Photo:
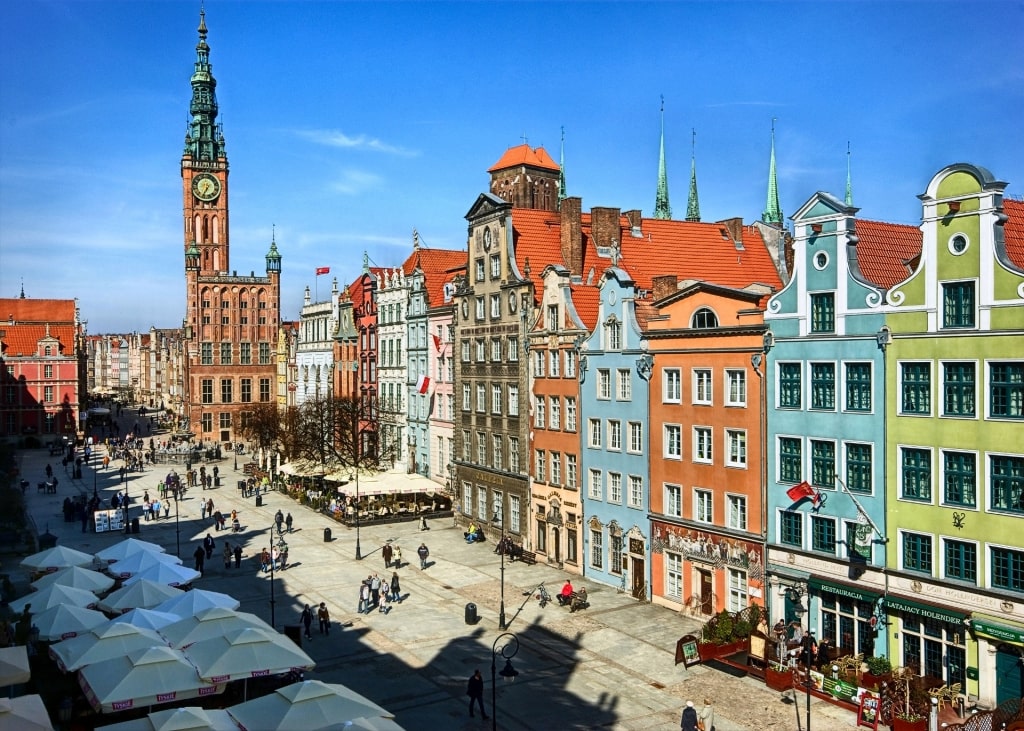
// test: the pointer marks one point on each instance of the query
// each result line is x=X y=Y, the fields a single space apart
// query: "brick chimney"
x=571 y=230
x=604 y=226
x=735 y=228
x=663 y=285
x=636 y=220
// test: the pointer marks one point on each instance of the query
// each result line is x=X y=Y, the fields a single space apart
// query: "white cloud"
x=337 y=138
x=353 y=182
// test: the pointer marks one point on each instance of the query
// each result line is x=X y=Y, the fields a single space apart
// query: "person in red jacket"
x=565 y=595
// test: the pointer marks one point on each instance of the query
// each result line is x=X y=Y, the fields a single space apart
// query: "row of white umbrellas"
x=129 y=560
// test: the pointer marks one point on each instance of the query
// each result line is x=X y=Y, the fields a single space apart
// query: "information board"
x=108 y=520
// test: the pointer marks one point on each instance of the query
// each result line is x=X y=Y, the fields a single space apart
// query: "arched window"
x=704 y=319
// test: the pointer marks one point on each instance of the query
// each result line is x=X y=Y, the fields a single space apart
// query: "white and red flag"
x=323 y=270
x=423 y=384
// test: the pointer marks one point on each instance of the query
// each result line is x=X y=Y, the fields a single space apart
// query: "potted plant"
x=778 y=676
x=909 y=721
x=879 y=670
x=718 y=637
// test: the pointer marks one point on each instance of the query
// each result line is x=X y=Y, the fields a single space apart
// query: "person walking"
x=209 y=507
x=209 y=544
x=288 y=522
x=387 y=552
x=217 y=519
x=238 y=555
x=375 y=590
x=689 y=720
x=396 y=588
x=275 y=556
x=284 y=555
x=364 y=597
x=385 y=597
x=202 y=510
x=423 y=552
x=706 y=716
x=398 y=557
x=325 y=619
x=227 y=555
x=200 y=556
x=475 y=691
x=307 y=620
x=265 y=560
x=279 y=519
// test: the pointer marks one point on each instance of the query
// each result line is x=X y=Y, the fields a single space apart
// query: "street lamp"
x=355 y=476
x=508 y=649
x=501 y=549
x=272 y=618
x=177 y=526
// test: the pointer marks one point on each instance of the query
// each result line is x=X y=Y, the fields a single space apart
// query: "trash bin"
x=471 y=617
x=294 y=633
x=259 y=501
x=327 y=535
x=135 y=525
x=241 y=484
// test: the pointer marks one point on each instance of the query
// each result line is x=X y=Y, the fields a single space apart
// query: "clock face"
x=205 y=187
x=487 y=239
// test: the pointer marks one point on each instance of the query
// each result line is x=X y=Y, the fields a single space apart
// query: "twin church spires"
x=662 y=209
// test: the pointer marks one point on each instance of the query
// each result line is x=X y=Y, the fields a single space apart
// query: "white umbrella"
x=189 y=718
x=247 y=653
x=146 y=594
x=309 y=705
x=65 y=621
x=14 y=668
x=190 y=603
x=166 y=573
x=77 y=577
x=140 y=561
x=209 y=623
x=56 y=558
x=53 y=596
x=148 y=618
x=374 y=723
x=25 y=713
x=144 y=678
x=125 y=548
x=115 y=639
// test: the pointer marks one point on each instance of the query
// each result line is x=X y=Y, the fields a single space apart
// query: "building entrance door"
x=556 y=537
x=707 y=600
x=639 y=585
x=1009 y=675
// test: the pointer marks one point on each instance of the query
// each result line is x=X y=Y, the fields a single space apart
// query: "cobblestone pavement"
x=608 y=667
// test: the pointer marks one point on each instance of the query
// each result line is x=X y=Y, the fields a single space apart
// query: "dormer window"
x=704 y=319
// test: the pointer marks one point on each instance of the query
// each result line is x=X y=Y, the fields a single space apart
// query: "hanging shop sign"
x=1001 y=632
x=844 y=590
x=928 y=611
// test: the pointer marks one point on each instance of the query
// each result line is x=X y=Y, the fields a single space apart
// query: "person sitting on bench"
x=565 y=595
x=473 y=534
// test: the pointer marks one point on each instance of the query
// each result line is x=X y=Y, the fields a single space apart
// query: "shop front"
x=847 y=615
x=1000 y=656
x=930 y=639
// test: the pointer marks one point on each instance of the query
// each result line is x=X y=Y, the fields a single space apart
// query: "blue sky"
x=350 y=124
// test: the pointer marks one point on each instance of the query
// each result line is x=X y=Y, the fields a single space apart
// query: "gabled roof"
x=586 y=300
x=885 y=251
x=438 y=267
x=25 y=322
x=24 y=310
x=23 y=340
x=525 y=155
x=1013 y=231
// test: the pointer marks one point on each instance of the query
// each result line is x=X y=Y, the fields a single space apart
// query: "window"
x=481 y=398
x=702 y=386
x=958 y=389
x=916 y=386
x=48 y=371
x=481 y=448
x=847 y=624
x=207 y=420
x=858 y=468
x=917 y=474
x=595 y=485
x=736 y=388
x=823 y=386
x=604 y=384
x=1007 y=479
x=556 y=468
x=467 y=351
x=636 y=437
x=264 y=353
x=538 y=363
x=737 y=589
x=636 y=491
x=513 y=454
x=225 y=353
x=823 y=312
x=513 y=399
x=917 y=552
x=790 y=460
x=614 y=488
x=615 y=435
x=736 y=442
x=736 y=511
x=671 y=386
x=495 y=266
x=554 y=413
x=551 y=319
x=702 y=506
x=1007 y=569
x=570 y=363
x=613 y=335
x=481 y=350
x=513 y=349
x=467 y=404
x=481 y=504
x=790 y=396
x=624 y=384
x=264 y=390
x=48 y=394
x=791 y=528
x=703 y=319
x=540 y=465
x=595 y=433
x=596 y=549
x=246 y=390
x=207 y=390
x=674 y=501
x=673 y=441
x=702 y=444
x=245 y=353
x=496 y=451
x=960 y=560
x=858 y=387
x=823 y=534
x=496 y=350
x=570 y=413
x=960 y=476
x=226 y=390
x=539 y=412
x=225 y=420
x=823 y=464
x=206 y=354
x=554 y=363
x=958 y=304
x=674 y=576
x=570 y=471
x=495 y=306
x=479 y=309
x=496 y=396
x=1006 y=385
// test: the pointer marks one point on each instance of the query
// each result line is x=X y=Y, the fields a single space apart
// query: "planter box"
x=874 y=682
x=710 y=651
x=779 y=680
x=901 y=725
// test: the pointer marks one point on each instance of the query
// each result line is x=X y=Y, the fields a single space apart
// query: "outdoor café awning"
x=391 y=483
x=997 y=631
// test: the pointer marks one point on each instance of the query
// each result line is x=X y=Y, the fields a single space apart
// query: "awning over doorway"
x=845 y=590
x=928 y=611
x=997 y=631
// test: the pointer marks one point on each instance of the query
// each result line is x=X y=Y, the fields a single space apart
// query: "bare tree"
x=262 y=426
x=346 y=432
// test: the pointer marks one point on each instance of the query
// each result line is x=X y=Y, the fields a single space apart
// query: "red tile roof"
x=1014 y=231
x=885 y=250
x=586 y=300
x=525 y=155
x=25 y=323
x=35 y=310
x=439 y=267
x=22 y=341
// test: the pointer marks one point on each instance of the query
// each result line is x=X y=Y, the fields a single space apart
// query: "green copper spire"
x=561 y=172
x=693 y=202
x=662 y=209
x=849 y=181
x=204 y=140
x=273 y=256
x=773 y=211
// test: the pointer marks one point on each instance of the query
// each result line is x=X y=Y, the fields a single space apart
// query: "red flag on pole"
x=801 y=491
x=437 y=342
x=423 y=384
x=323 y=270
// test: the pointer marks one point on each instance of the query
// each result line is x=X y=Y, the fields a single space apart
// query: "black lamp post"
x=177 y=527
x=359 y=553
x=508 y=649
x=273 y=623
x=502 y=625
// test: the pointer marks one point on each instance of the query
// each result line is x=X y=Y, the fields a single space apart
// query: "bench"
x=525 y=556
x=579 y=601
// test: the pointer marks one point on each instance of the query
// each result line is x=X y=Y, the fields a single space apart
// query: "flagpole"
x=861 y=510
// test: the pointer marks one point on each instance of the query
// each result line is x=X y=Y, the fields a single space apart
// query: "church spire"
x=773 y=211
x=692 y=201
x=662 y=209
x=204 y=140
x=849 y=181
x=562 y=195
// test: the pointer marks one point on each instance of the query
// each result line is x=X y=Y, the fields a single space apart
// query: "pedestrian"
x=423 y=553
x=284 y=555
x=325 y=619
x=423 y=523
x=222 y=524
x=227 y=555
x=209 y=506
x=375 y=590
x=238 y=555
x=147 y=509
x=288 y=522
x=396 y=589
x=279 y=519
x=167 y=509
x=364 y=597
x=385 y=597
x=475 y=691
x=398 y=557
x=200 y=557
x=209 y=544
x=706 y=716
x=275 y=556
x=202 y=510
x=217 y=519
x=386 y=551
x=307 y=620
x=689 y=720
x=265 y=560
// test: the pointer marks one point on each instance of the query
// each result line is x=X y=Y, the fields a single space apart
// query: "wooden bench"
x=525 y=556
x=579 y=601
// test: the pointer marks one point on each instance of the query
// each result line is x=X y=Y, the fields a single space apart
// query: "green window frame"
x=790 y=459
x=791 y=528
x=790 y=395
x=206 y=386
x=958 y=304
x=246 y=390
x=1007 y=569
x=1006 y=475
x=823 y=534
x=225 y=353
x=960 y=472
x=958 y=389
x=823 y=464
x=917 y=474
x=823 y=312
x=916 y=380
x=858 y=387
x=226 y=390
x=206 y=353
x=823 y=386
x=245 y=353
x=1006 y=390
x=961 y=561
x=207 y=422
x=917 y=552
x=264 y=353
x=858 y=468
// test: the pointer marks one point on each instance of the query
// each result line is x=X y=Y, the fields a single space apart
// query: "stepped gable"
x=886 y=252
x=1013 y=231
